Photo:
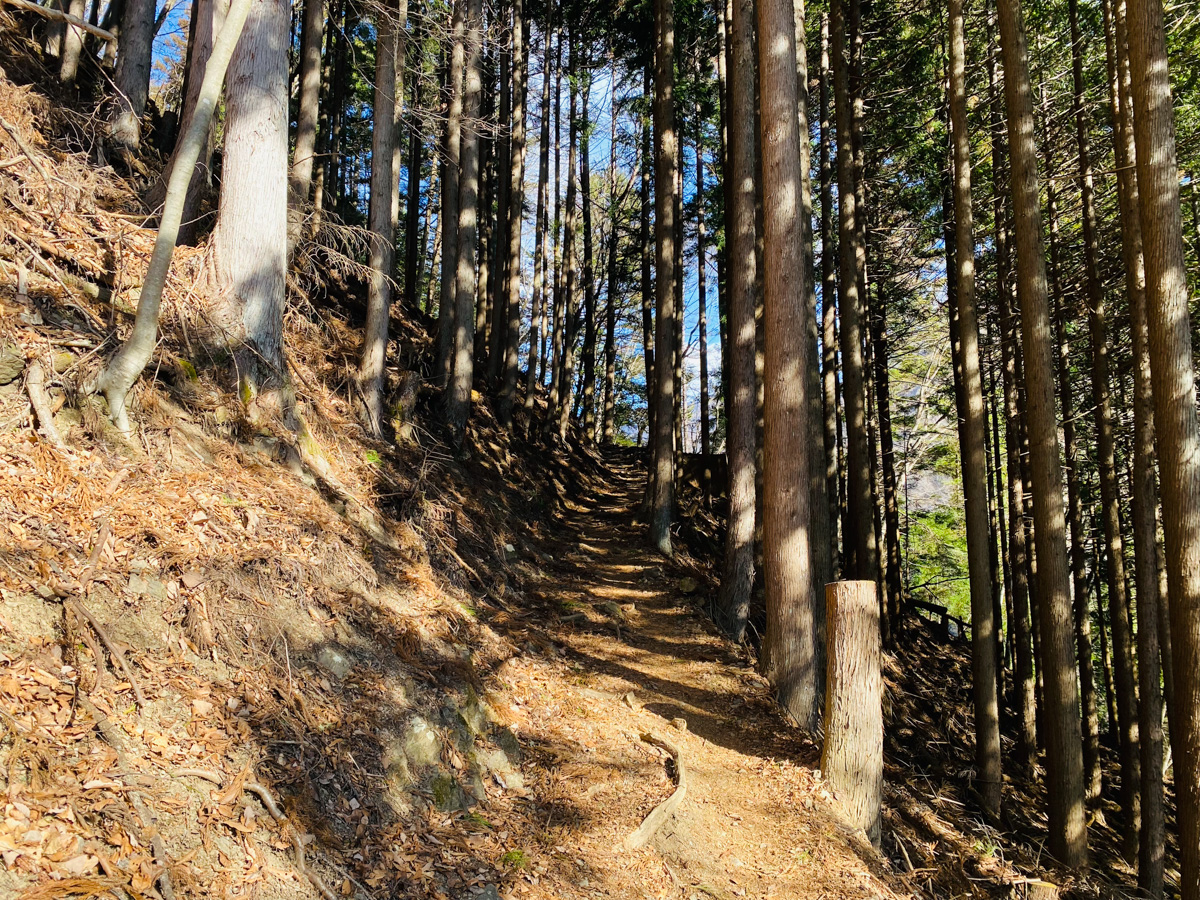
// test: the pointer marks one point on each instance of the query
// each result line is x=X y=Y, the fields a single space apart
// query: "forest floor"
x=638 y=657
x=415 y=673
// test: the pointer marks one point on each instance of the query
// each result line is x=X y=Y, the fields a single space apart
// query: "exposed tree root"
x=113 y=649
x=35 y=386
x=277 y=813
x=113 y=738
x=666 y=809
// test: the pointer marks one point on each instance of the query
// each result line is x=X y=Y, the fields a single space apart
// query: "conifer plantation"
x=563 y=449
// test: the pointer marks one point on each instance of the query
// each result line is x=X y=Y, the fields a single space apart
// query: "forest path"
x=632 y=653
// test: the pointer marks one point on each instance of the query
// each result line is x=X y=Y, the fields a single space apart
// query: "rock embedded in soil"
x=12 y=363
x=334 y=662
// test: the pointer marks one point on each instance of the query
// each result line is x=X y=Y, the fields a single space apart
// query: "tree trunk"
x=131 y=80
x=72 y=45
x=1003 y=568
x=118 y=376
x=414 y=247
x=1144 y=486
x=447 y=304
x=250 y=240
x=829 y=344
x=662 y=501
x=887 y=463
x=1175 y=419
x=724 y=13
x=333 y=39
x=458 y=397
x=516 y=218
x=860 y=552
x=565 y=332
x=737 y=577
x=497 y=336
x=647 y=260
x=1083 y=619
x=1064 y=757
x=821 y=543
x=484 y=220
x=558 y=317
x=589 y=280
x=385 y=206
x=852 y=755
x=974 y=451
x=307 y=111
x=610 y=322
x=541 y=258
x=677 y=286
x=1091 y=722
x=1106 y=460
x=791 y=646
x=702 y=304
x=1024 y=679
x=1110 y=701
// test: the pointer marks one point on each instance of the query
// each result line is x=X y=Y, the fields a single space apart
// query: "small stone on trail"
x=613 y=610
x=679 y=723
x=12 y=363
x=334 y=662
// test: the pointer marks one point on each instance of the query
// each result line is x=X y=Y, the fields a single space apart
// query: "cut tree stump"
x=852 y=758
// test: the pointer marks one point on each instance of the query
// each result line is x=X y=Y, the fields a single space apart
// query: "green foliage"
x=937 y=559
x=515 y=859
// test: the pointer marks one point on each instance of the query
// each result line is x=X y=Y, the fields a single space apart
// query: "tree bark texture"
x=447 y=326
x=662 y=501
x=737 y=577
x=791 y=647
x=307 y=112
x=250 y=240
x=984 y=661
x=1144 y=486
x=458 y=396
x=385 y=206
x=1064 y=757
x=131 y=80
x=516 y=217
x=852 y=755
x=860 y=552
x=1175 y=420
x=541 y=250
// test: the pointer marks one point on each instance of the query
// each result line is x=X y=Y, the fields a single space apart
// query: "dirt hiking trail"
x=633 y=654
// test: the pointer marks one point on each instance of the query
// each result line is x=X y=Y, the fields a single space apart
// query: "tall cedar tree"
x=791 y=644
x=1175 y=420
x=1144 y=487
x=385 y=205
x=737 y=580
x=1064 y=742
x=458 y=394
x=662 y=475
x=974 y=429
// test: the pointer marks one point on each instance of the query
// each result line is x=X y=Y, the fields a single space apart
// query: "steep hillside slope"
x=224 y=674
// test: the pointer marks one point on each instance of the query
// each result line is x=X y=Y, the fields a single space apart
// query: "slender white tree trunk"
x=119 y=375
x=250 y=240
